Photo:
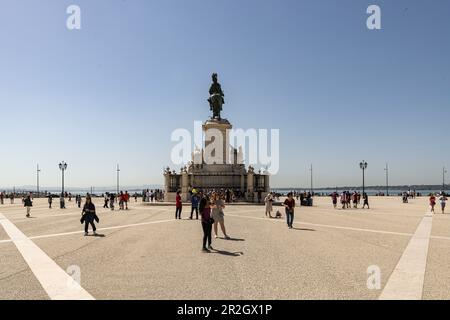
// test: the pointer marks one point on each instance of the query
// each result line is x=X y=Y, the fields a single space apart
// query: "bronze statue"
x=216 y=99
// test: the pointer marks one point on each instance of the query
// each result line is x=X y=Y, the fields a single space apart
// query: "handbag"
x=210 y=220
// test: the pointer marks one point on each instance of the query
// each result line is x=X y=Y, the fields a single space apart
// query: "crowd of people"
x=155 y=195
x=4 y=196
x=209 y=205
x=350 y=199
x=442 y=199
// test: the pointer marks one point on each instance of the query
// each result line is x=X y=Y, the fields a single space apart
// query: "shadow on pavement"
x=99 y=235
x=232 y=239
x=227 y=253
x=303 y=229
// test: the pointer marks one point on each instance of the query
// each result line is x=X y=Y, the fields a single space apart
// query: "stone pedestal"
x=220 y=168
x=217 y=145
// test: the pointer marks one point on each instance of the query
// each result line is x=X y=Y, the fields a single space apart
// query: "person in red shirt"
x=178 y=206
x=289 y=205
x=126 y=198
x=432 y=202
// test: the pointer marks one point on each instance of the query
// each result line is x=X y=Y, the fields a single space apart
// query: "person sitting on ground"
x=278 y=214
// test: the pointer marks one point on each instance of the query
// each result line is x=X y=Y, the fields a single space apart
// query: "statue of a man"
x=216 y=99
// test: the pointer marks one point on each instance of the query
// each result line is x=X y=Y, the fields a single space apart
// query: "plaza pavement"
x=145 y=253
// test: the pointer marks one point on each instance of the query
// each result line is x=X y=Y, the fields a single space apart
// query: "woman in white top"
x=268 y=201
x=443 y=200
x=218 y=215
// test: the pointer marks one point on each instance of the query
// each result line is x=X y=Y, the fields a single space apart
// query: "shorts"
x=218 y=216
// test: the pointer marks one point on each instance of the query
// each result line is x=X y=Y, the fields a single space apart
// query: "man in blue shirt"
x=195 y=199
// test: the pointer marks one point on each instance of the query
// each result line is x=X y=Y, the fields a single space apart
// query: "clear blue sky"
x=114 y=91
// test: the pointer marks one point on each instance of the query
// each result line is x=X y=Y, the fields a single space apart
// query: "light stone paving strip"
x=327 y=226
x=52 y=235
x=54 y=280
x=406 y=281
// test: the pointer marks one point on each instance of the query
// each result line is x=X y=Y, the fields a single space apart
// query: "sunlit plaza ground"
x=145 y=253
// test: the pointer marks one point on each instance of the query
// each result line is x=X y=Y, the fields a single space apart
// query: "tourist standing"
x=289 y=205
x=194 y=205
x=105 y=204
x=121 y=200
x=178 y=205
x=443 y=200
x=334 y=197
x=355 y=200
x=268 y=200
x=50 y=201
x=111 y=201
x=28 y=204
x=79 y=201
x=365 y=200
x=343 y=199
x=11 y=197
x=2 y=196
x=126 y=198
x=218 y=215
x=88 y=216
x=432 y=202
x=207 y=222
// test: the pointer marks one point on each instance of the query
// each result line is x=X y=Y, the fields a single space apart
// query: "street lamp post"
x=311 y=169
x=387 y=180
x=118 y=171
x=363 y=166
x=37 y=179
x=444 y=171
x=62 y=167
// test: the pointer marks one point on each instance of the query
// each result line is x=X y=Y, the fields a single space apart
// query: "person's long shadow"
x=303 y=229
x=100 y=235
x=232 y=239
x=227 y=253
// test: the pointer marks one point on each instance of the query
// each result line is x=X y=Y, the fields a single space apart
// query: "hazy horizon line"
x=159 y=186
